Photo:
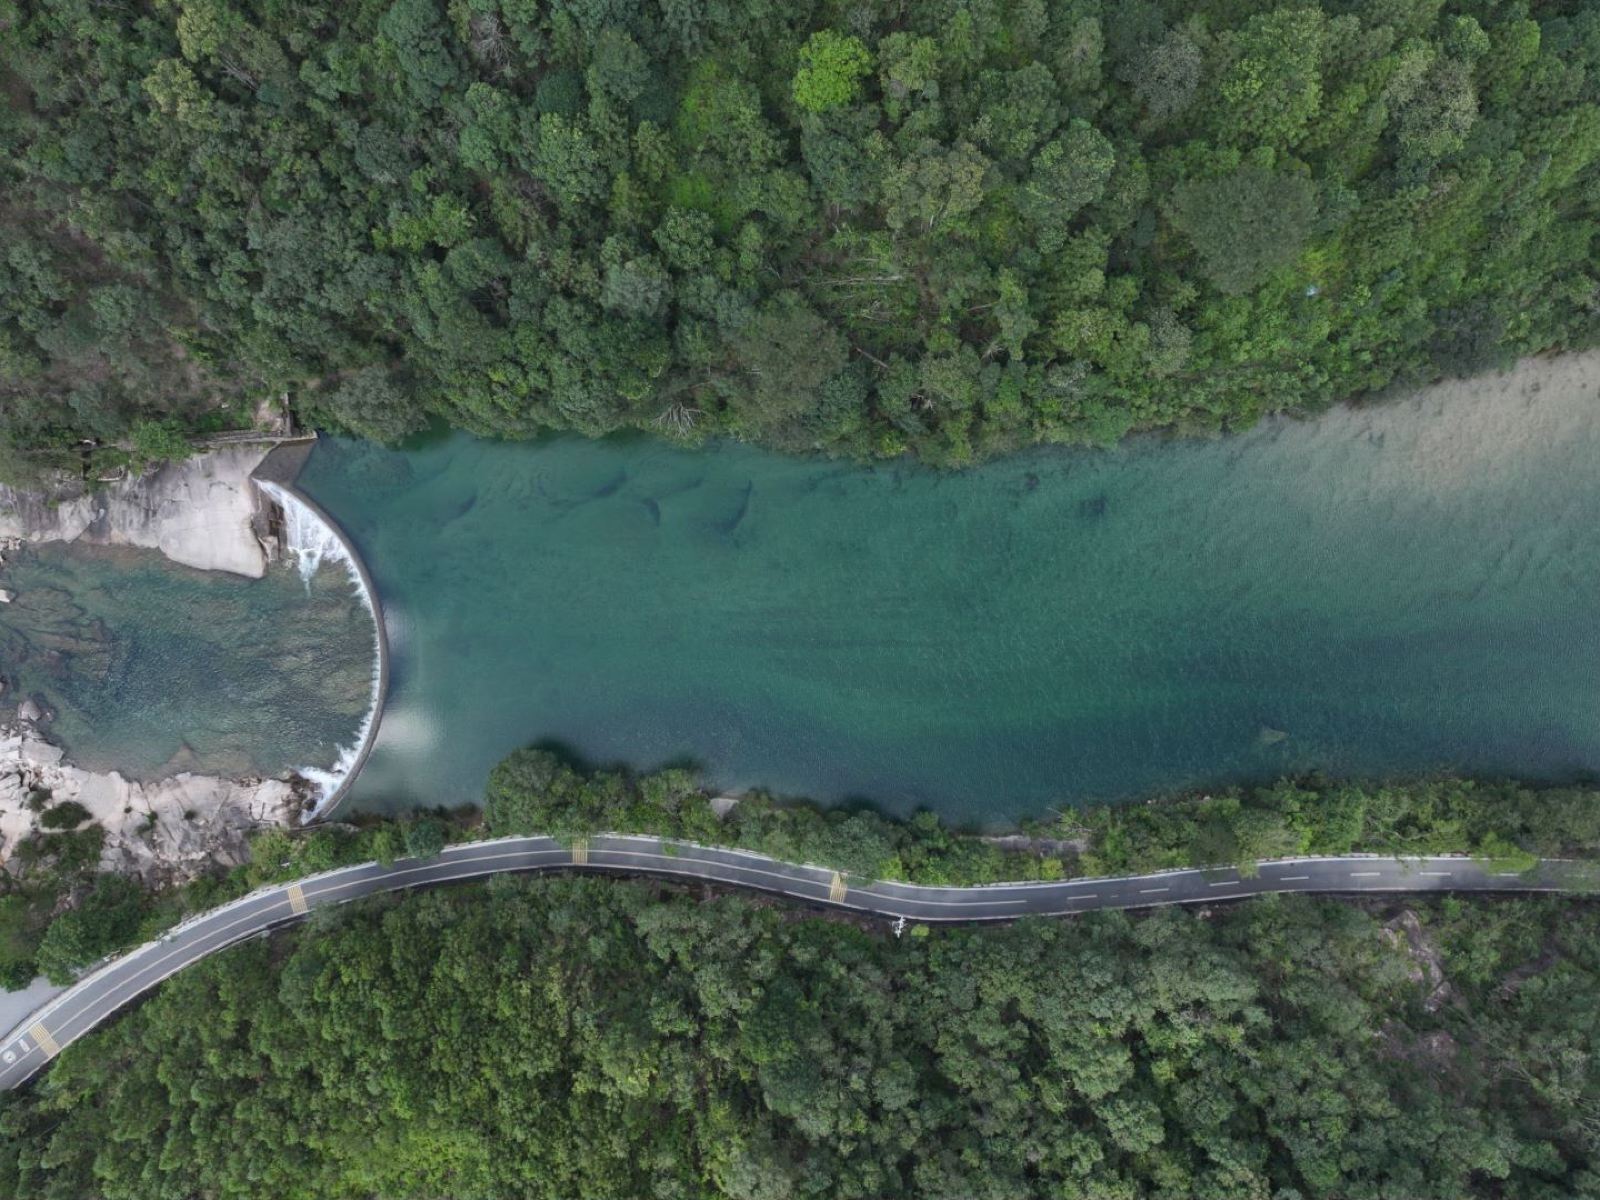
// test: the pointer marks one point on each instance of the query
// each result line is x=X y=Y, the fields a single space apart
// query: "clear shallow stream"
x=1399 y=589
x=152 y=668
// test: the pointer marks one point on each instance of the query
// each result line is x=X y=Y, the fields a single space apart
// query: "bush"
x=106 y=920
x=424 y=838
x=161 y=441
x=69 y=814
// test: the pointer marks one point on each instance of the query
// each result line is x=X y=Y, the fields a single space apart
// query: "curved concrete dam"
x=1406 y=587
x=313 y=538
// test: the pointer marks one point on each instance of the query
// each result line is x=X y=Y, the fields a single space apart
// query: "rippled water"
x=1390 y=590
x=154 y=668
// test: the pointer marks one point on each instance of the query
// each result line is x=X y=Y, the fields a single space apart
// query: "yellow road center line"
x=580 y=852
x=41 y=1035
x=297 y=899
x=837 y=888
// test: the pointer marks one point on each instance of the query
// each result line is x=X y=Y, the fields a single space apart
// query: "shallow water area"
x=1402 y=588
x=152 y=668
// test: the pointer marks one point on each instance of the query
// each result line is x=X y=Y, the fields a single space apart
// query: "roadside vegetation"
x=568 y=1038
x=1509 y=824
x=59 y=913
x=954 y=227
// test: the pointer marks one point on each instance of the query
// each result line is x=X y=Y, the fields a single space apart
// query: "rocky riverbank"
x=204 y=512
x=165 y=832
x=201 y=512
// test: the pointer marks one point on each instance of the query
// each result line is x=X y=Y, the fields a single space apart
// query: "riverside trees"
x=569 y=1038
x=534 y=792
x=954 y=227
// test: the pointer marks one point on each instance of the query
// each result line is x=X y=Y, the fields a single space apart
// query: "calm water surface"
x=1388 y=590
x=152 y=668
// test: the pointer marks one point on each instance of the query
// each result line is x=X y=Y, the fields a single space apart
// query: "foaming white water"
x=309 y=539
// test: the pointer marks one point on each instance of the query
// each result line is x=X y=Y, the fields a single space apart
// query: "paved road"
x=40 y=1036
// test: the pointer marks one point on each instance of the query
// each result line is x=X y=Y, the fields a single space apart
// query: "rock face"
x=199 y=512
x=165 y=832
x=1426 y=964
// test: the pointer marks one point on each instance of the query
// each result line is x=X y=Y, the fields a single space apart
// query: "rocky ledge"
x=200 y=512
x=165 y=832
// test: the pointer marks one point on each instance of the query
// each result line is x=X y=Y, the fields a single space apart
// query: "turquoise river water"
x=150 y=668
x=1397 y=589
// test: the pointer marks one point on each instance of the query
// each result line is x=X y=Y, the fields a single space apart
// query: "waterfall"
x=312 y=542
x=308 y=538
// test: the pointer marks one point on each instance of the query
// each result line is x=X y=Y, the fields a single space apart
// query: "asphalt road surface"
x=41 y=1035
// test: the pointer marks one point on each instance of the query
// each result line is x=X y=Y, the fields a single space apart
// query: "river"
x=1402 y=588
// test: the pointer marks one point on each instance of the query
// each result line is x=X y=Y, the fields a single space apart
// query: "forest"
x=570 y=1038
x=949 y=227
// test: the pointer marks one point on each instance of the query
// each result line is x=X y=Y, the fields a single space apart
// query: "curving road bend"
x=41 y=1035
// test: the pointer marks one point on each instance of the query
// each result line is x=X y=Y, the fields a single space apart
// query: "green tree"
x=425 y=837
x=935 y=189
x=1245 y=225
x=1068 y=173
x=1435 y=118
x=832 y=66
x=1272 y=88
x=412 y=32
x=107 y=919
x=160 y=440
x=1167 y=75
x=372 y=403
x=789 y=352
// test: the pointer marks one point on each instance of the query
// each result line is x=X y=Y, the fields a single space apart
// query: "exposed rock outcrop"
x=200 y=512
x=1425 y=964
x=165 y=832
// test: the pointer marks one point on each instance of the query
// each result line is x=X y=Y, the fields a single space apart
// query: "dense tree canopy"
x=571 y=1039
x=953 y=226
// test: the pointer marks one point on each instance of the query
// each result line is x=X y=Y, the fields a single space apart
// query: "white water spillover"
x=312 y=542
